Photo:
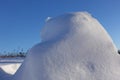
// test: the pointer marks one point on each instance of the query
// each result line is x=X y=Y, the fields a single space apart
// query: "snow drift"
x=74 y=46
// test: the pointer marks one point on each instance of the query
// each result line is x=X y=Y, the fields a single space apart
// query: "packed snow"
x=74 y=46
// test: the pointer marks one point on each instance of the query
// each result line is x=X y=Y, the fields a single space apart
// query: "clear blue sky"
x=22 y=20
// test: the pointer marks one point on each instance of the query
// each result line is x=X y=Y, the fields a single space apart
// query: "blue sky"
x=22 y=20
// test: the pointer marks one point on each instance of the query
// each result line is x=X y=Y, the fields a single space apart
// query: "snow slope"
x=74 y=46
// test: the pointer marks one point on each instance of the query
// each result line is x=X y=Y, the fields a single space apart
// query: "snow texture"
x=74 y=46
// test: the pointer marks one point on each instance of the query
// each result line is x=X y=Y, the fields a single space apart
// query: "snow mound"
x=74 y=46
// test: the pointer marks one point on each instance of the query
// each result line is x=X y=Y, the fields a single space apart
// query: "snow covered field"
x=8 y=67
x=11 y=60
x=74 y=46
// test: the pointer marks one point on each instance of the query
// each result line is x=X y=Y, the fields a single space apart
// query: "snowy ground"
x=11 y=60
x=8 y=67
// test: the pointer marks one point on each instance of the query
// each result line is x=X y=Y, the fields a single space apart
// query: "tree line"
x=14 y=53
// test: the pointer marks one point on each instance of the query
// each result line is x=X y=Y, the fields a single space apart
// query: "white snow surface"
x=10 y=68
x=74 y=46
x=7 y=70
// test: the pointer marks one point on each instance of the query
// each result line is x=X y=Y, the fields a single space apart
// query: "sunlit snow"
x=74 y=46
